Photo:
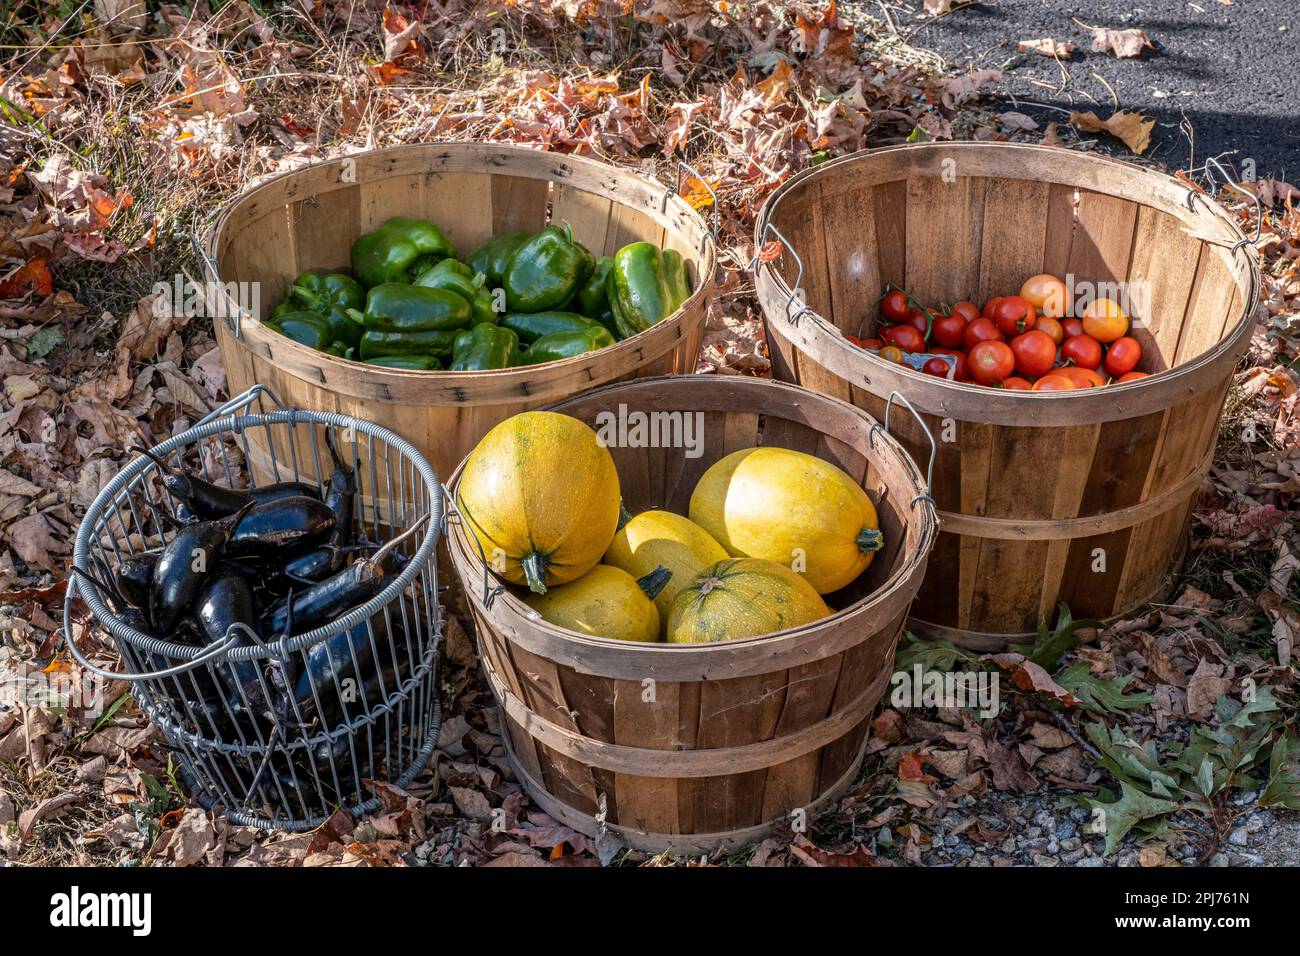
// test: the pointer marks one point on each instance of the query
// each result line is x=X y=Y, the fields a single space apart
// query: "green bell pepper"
x=414 y=363
x=433 y=342
x=394 y=307
x=592 y=299
x=491 y=258
x=531 y=326
x=306 y=328
x=330 y=296
x=546 y=271
x=398 y=250
x=455 y=277
x=645 y=285
x=560 y=345
x=486 y=346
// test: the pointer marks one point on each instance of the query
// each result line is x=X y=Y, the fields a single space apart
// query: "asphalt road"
x=1224 y=77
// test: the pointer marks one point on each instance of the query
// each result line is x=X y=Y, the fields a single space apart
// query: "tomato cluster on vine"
x=1025 y=341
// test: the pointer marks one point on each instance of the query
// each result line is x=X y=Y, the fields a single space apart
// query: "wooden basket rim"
x=614 y=658
x=821 y=339
x=525 y=381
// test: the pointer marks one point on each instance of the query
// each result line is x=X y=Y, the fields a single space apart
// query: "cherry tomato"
x=918 y=320
x=872 y=343
x=963 y=367
x=1035 y=353
x=1072 y=327
x=1017 y=384
x=989 y=306
x=1083 y=350
x=949 y=329
x=1052 y=327
x=1014 y=315
x=935 y=366
x=1122 y=356
x=968 y=310
x=1104 y=320
x=892 y=353
x=981 y=330
x=1132 y=376
x=905 y=337
x=1045 y=293
x=893 y=306
x=992 y=362
x=1081 y=377
x=1053 y=383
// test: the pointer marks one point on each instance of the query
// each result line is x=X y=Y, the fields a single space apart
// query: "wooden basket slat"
x=324 y=228
x=1029 y=485
x=519 y=203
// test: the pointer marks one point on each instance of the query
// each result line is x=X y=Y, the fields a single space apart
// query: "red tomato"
x=1046 y=293
x=1083 y=350
x=950 y=329
x=1035 y=353
x=963 y=367
x=992 y=362
x=918 y=320
x=893 y=306
x=906 y=338
x=1071 y=327
x=968 y=310
x=1122 y=356
x=1054 y=383
x=872 y=343
x=989 y=306
x=1052 y=327
x=1132 y=376
x=1081 y=377
x=981 y=330
x=1014 y=315
x=935 y=366
x=1017 y=384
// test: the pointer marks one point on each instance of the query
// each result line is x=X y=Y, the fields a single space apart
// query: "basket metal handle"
x=450 y=510
x=242 y=401
x=796 y=290
x=213 y=652
x=1213 y=163
x=212 y=274
x=934 y=447
x=684 y=167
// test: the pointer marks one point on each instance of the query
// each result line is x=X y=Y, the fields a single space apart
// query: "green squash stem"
x=655 y=581
x=535 y=571
x=624 y=516
x=869 y=540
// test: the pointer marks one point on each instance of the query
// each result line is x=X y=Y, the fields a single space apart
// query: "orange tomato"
x=1047 y=294
x=1104 y=320
x=892 y=353
x=1132 y=376
x=1017 y=384
x=1052 y=327
x=1054 y=383
x=1082 y=377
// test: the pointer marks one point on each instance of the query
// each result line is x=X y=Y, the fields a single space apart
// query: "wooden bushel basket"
x=309 y=218
x=1044 y=497
x=690 y=747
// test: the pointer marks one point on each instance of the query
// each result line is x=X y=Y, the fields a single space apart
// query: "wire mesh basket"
x=281 y=729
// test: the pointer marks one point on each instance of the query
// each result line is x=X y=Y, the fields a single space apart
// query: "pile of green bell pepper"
x=519 y=298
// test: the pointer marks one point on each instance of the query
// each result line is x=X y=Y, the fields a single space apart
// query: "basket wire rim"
x=111 y=495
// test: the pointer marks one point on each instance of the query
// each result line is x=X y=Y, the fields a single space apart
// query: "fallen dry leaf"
x=1125 y=44
x=1134 y=129
x=1057 y=49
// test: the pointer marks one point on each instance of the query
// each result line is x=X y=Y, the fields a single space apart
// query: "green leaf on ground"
x=1283 y=788
x=936 y=655
x=43 y=341
x=1130 y=809
x=1101 y=696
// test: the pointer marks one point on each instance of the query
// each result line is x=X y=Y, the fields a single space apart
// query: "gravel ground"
x=1222 y=78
